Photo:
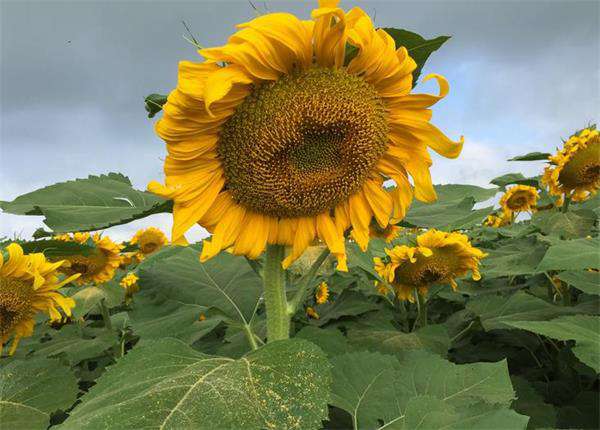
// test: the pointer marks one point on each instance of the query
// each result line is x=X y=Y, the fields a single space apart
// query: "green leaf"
x=515 y=257
x=31 y=390
x=154 y=104
x=514 y=178
x=169 y=385
x=588 y=282
x=432 y=337
x=457 y=192
x=532 y=156
x=88 y=298
x=446 y=215
x=418 y=47
x=571 y=255
x=498 y=312
x=349 y=303
x=583 y=329
x=331 y=341
x=56 y=248
x=94 y=203
x=376 y=388
x=225 y=282
x=529 y=402
x=568 y=225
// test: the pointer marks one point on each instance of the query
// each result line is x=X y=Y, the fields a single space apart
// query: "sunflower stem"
x=278 y=319
x=250 y=336
x=304 y=283
x=565 y=206
x=105 y=315
x=421 y=320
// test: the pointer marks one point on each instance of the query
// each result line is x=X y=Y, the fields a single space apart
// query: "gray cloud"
x=74 y=74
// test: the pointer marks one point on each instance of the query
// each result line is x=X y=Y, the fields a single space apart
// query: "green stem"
x=462 y=332
x=250 y=336
x=565 y=206
x=304 y=283
x=105 y=315
x=421 y=320
x=278 y=320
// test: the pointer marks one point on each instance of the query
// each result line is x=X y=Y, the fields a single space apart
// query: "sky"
x=73 y=76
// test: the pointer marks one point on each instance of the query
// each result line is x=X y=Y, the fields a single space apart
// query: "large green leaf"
x=94 y=203
x=515 y=257
x=498 y=312
x=448 y=215
x=571 y=255
x=418 y=47
x=529 y=402
x=169 y=385
x=88 y=298
x=514 y=178
x=225 y=282
x=349 y=303
x=56 y=248
x=457 y=192
x=588 y=282
x=532 y=156
x=31 y=390
x=584 y=329
x=568 y=225
x=422 y=388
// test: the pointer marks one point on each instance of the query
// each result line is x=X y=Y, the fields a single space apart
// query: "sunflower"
x=97 y=267
x=28 y=284
x=574 y=171
x=129 y=283
x=322 y=293
x=497 y=220
x=311 y=313
x=286 y=134
x=149 y=241
x=520 y=198
x=438 y=258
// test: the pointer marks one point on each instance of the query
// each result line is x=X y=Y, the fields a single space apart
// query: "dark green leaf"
x=572 y=255
x=532 y=156
x=568 y=225
x=514 y=178
x=154 y=104
x=588 y=282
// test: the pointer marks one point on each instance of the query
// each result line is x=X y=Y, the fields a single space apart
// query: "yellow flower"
x=389 y=233
x=574 y=171
x=275 y=140
x=382 y=288
x=128 y=258
x=129 y=282
x=322 y=293
x=497 y=221
x=438 y=258
x=311 y=313
x=520 y=198
x=202 y=317
x=149 y=241
x=28 y=284
x=97 y=267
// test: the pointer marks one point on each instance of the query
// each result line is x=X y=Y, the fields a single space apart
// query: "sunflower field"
x=338 y=287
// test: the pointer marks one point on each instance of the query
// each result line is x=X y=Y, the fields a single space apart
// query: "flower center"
x=518 y=201
x=15 y=303
x=583 y=169
x=301 y=145
x=427 y=270
x=149 y=248
x=87 y=265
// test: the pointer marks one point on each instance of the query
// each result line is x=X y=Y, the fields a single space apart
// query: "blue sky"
x=73 y=77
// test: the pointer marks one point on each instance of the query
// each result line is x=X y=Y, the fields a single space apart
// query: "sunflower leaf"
x=93 y=203
x=169 y=385
x=32 y=390
x=572 y=255
x=417 y=46
x=532 y=156
x=154 y=104
x=515 y=178
x=588 y=282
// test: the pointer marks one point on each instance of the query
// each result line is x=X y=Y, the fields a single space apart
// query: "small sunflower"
x=277 y=139
x=311 y=313
x=29 y=284
x=129 y=283
x=438 y=258
x=149 y=240
x=574 y=171
x=496 y=220
x=520 y=198
x=322 y=293
x=388 y=233
x=97 y=267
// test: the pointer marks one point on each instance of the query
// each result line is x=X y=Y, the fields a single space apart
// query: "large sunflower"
x=438 y=258
x=520 y=198
x=28 y=284
x=99 y=266
x=149 y=241
x=287 y=133
x=574 y=171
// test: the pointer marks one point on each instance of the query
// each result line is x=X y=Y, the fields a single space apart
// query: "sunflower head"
x=497 y=220
x=129 y=283
x=277 y=138
x=149 y=240
x=438 y=258
x=520 y=198
x=28 y=284
x=574 y=171
x=322 y=293
x=99 y=266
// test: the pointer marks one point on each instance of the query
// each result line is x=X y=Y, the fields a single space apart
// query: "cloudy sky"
x=73 y=77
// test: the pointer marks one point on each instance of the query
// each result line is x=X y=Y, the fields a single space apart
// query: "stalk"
x=565 y=206
x=105 y=315
x=421 y=320
x=304 y=283
x=278 y=320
